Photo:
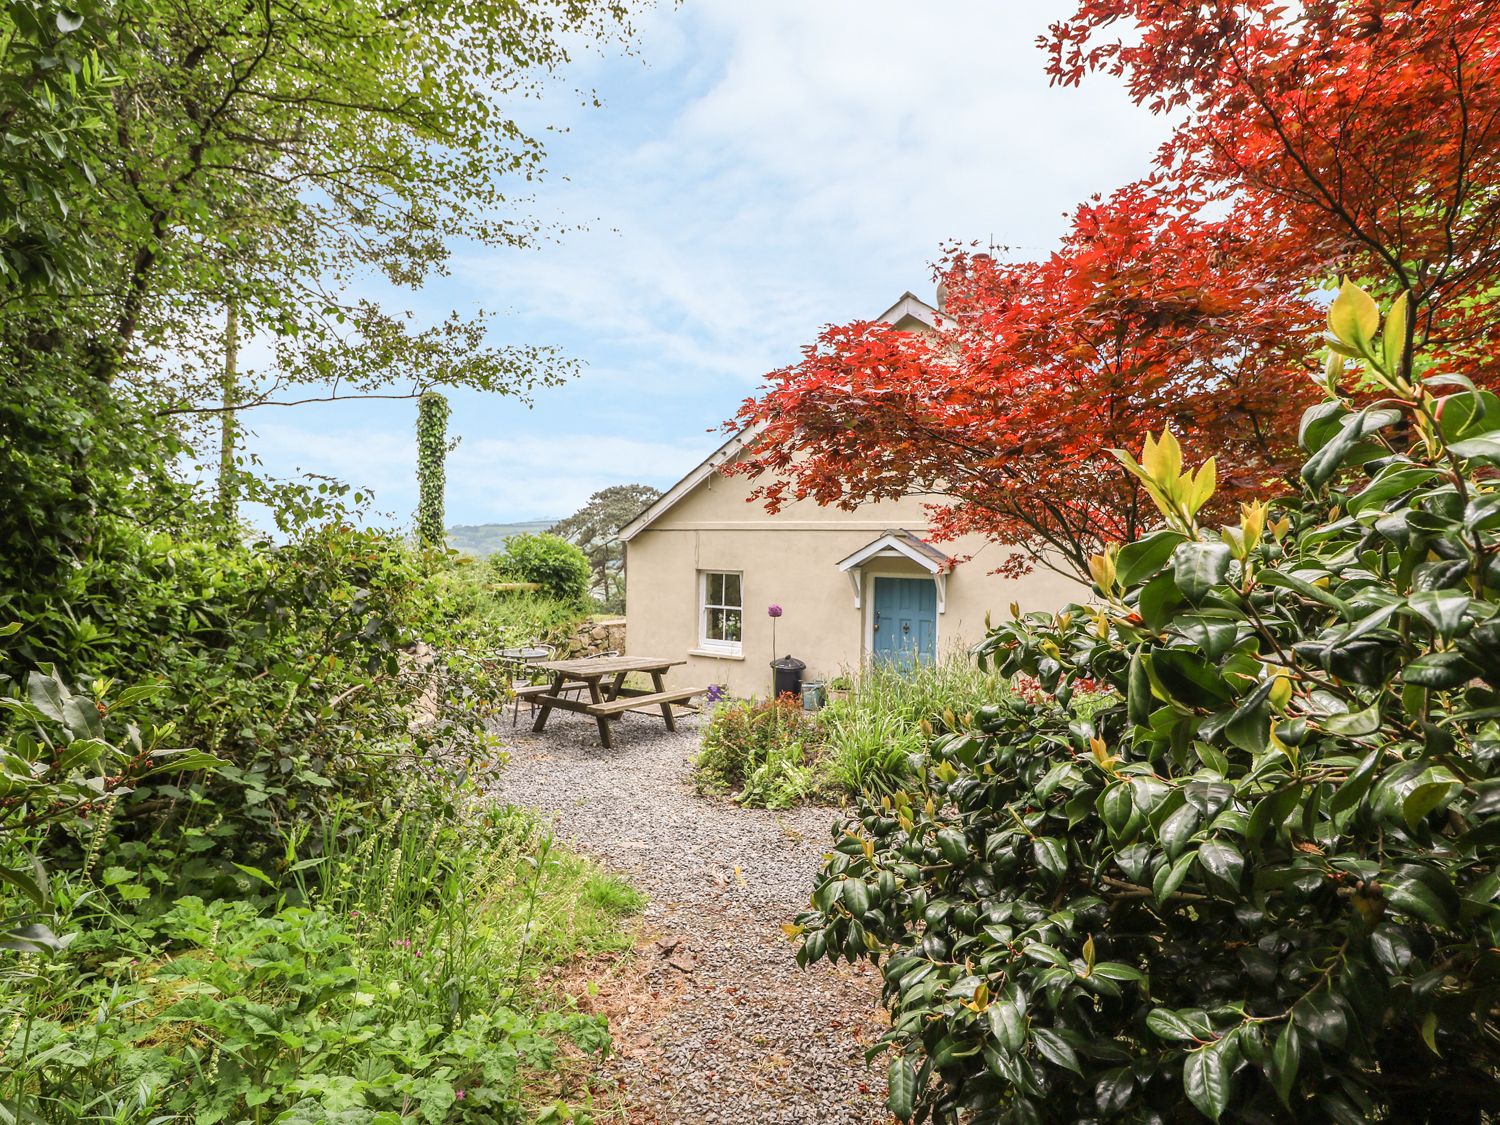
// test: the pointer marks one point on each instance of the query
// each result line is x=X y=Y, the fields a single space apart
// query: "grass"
x=869 y=735
x=612 y=897
x=774 y=755
x=490 y=884
x=395 y=971
x=493 y=618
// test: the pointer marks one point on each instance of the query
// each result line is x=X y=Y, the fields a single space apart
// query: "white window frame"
x=706 y=642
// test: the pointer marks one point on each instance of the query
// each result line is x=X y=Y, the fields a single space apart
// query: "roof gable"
x=668 y=499
x=899 y=541
x=908 y=308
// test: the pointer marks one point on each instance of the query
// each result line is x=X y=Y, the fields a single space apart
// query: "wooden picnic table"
x=608 y=701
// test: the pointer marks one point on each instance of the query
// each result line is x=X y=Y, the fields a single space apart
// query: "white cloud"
x=814 y=172
x=759 y=170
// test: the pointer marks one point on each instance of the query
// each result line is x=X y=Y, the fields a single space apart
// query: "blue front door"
x=905 y=620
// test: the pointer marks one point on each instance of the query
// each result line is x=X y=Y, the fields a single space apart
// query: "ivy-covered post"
x=432 y=447
x=228 y=426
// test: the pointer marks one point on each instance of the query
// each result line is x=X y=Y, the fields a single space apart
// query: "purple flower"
x=773 y=610
x=715 y=692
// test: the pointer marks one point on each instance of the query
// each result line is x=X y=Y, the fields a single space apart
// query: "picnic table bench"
x=607 y=701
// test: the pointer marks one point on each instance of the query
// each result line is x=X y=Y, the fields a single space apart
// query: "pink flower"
x=459 y=1094
x=773 y=610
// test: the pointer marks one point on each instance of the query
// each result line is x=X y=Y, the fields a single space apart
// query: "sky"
x=756 y=171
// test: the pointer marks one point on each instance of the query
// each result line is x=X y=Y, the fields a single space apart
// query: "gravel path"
x=729 y=1030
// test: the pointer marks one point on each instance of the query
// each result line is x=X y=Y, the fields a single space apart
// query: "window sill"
x=716 y=653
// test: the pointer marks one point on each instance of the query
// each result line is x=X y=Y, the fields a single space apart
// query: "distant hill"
x=487 y=538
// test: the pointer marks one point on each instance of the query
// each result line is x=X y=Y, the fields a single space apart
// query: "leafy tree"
x=56 y=77
x=175 y=177
x=595 y=530
x=1145 y=316
x=161 y=162
x=555 y=564
x=1261 y=885
x=1340 y=138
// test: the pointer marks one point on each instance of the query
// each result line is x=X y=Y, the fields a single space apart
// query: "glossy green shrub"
x=1261 y=885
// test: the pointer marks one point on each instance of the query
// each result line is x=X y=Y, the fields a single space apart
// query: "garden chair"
x=530 y=691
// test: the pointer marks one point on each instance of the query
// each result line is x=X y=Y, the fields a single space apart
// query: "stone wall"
x=604 y=634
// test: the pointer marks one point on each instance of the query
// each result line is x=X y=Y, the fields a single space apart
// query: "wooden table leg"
x=541 y=719
x=598 y=697
x=666 y=708
x=614 y=688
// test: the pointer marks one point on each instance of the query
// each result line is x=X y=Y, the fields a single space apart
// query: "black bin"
x=786 y=676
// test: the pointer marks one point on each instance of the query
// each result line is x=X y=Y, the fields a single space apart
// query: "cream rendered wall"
x=791 y=559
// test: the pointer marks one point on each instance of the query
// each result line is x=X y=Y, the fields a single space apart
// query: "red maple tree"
x=1144 y=317
x=1355 y=137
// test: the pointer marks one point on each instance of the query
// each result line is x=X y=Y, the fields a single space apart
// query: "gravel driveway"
x=734 y=1032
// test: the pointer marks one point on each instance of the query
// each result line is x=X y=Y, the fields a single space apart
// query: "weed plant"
x=392 y=977
x=759 y=751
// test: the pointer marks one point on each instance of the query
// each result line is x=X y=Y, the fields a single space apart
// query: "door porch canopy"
x=899 y=544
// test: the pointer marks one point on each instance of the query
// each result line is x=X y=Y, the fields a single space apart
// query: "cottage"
x=704 y=564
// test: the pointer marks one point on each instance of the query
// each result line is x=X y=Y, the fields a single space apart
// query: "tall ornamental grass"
x=774 y=754
x=869 y=735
